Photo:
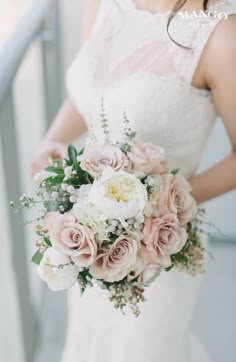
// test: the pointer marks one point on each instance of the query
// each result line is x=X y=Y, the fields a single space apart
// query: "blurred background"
x=38 y=40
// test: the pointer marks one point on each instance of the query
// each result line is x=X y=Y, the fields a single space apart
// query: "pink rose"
x=175 y=197
x=72 y=238
x=163 y=237
x=149 y=274
x=147 y=158
x=144 y=272
x=98 y=156
x=115 y=264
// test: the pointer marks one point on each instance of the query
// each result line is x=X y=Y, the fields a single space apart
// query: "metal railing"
x=40 y=22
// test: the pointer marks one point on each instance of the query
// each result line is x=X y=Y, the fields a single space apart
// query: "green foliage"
x=72 y=153
x=125 y=148
x=52 y=181
x=57 y=170
x=169 y=268
x=84 y=280
x=47 y=241
x=82 y=177
x=175 y=171
x=81 y=152
x=37 y=257
x=189 y=227
x=111 y=239
x=132 y=135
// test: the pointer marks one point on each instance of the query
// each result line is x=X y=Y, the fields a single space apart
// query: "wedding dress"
x=131 y=64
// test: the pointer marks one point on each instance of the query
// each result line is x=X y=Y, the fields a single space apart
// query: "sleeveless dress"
x=131 y=63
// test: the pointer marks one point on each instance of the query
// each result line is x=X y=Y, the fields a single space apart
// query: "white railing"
x=40 y=23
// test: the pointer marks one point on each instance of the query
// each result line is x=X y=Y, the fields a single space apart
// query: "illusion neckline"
x=134 y=6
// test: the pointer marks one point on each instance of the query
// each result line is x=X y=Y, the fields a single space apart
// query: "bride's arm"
x=68 y=124
x=219 y=59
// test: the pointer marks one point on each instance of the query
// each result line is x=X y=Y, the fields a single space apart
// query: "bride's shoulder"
x=219 y=55
x=224 y=34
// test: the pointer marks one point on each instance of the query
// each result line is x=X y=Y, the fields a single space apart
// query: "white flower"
x=88 y=214
x=57 y=270
x=68 y=171
x=55 y=195
x=70 y=189
x=119 y=195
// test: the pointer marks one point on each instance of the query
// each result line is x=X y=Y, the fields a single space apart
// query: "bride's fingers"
x=42 y=158
x=58 y=151
x=38 y=165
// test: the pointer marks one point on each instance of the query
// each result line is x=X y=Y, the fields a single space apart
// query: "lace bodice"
x=131 y=63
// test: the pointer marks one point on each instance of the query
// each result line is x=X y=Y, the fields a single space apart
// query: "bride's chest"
x=156 y=104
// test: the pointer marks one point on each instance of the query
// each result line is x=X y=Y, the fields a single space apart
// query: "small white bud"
x=68 y=171
x=115 y=223
x=73 y=199
x=150 y=180
x=42 y=213
x=70 y=189
x=61 y=208
x=130 y=221
x=112 y=229
x=64 y=187
x=55 y=195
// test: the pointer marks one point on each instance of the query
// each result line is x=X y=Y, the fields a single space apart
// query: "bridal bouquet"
x=114 y=215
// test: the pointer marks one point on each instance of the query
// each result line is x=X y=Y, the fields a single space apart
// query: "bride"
x=173 y=72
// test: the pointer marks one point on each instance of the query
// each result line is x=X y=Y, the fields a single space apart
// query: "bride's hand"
x=41 y=159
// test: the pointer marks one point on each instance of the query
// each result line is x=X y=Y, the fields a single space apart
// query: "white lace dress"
x=130 y=62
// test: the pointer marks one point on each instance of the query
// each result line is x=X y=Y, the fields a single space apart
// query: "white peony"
x=88 y=214
x=52 y=271
x=119 y=195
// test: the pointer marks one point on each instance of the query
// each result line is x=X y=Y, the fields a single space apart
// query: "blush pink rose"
x=175 y=197
x=115 y=264
x=163 y=237
x=143 y=271
x=98 y=156
x=147 y=158
x=72 y=238
x=149 y=274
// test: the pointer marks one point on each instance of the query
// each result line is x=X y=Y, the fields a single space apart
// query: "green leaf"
x=132 y=135
x=72 y=153
x=175 y=171
x=38 y=233
x=184 y=259
x=47 y=241
x=169 y=268
x=57 y=170
x=81 y=152
x=189 y=225
x=37 y=257
x=53 y=180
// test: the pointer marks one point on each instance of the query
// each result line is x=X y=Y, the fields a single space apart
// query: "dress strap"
x=103 y=13
x=204 y=29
